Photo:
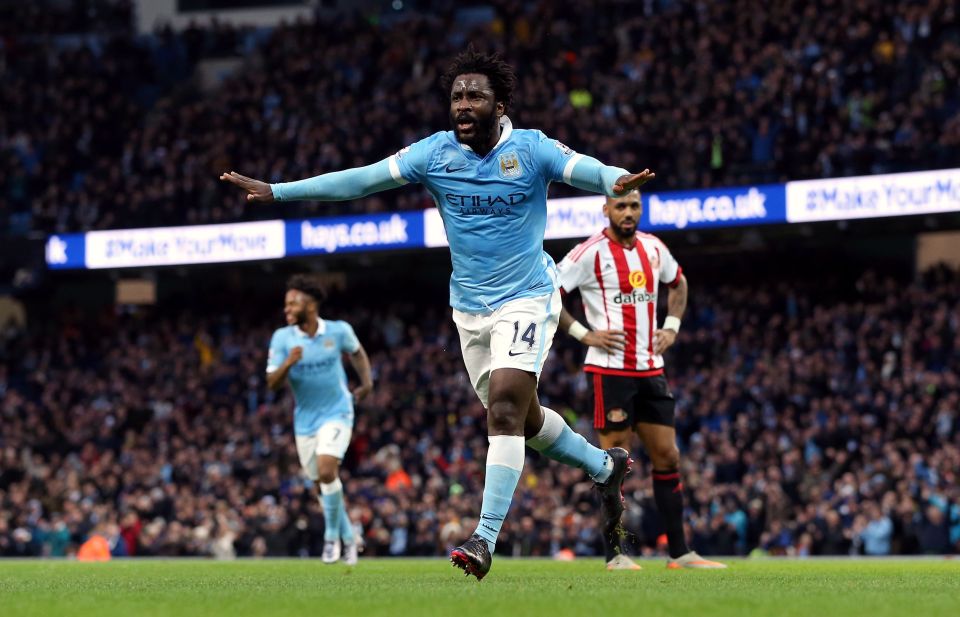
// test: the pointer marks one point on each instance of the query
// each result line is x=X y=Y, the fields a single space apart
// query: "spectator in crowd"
x=934 y=532
x=874 y=530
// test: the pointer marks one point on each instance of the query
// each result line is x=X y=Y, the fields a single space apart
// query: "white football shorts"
x=332 y=439
x=516 y=335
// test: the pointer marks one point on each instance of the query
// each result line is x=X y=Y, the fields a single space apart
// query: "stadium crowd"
x=815 y=418
x=105 y=130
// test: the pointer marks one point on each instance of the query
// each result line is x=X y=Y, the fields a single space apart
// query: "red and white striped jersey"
x=619 y=288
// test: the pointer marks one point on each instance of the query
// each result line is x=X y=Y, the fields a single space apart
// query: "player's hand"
x=296 y=354
x=256 y=190
x=625 y=184
x=610 y=341
x=662 y=340
x=361 y=392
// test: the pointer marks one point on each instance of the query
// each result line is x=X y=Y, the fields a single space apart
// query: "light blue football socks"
x=504 y=464
x=561 y=443
x=346 y=525
x=336 y=521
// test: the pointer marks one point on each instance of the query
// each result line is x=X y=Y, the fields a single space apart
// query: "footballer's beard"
x=624 y=230
x=481 y=133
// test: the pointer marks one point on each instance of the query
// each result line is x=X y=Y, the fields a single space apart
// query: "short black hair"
x=308 y=285
x=502 y=78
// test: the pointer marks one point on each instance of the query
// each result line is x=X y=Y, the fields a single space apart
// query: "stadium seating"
x=706 y=94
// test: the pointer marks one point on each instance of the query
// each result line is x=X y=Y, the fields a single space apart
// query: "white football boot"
x=331 y=551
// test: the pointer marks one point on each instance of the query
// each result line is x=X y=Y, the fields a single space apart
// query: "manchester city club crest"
x=510 y=165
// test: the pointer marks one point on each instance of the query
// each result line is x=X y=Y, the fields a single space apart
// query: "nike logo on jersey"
x=510 y=353
x=454 y=167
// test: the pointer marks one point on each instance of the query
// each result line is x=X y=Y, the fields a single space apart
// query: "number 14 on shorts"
x=529 y=335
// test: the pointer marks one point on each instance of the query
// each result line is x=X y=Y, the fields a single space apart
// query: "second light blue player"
x=307 y=353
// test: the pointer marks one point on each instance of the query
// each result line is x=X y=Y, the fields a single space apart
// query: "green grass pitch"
x=916 y=588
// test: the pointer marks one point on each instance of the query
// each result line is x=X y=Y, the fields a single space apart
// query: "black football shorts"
x=620 y=402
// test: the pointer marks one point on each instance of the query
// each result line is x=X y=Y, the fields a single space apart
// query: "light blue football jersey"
x=318 y=380
x=494 y=210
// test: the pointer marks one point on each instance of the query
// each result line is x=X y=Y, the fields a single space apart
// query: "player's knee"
x=665 y=457
x=327 y=472
x=505 y=418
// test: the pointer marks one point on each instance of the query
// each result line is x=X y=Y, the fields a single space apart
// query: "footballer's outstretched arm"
x=589 y=174
x=335 y=186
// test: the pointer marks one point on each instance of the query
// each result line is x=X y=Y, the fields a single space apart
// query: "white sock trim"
x=329 y=488
x=506 y=450
x=553 y=425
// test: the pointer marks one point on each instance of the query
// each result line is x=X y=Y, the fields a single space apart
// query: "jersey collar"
x=506 y=127
x=321 y=328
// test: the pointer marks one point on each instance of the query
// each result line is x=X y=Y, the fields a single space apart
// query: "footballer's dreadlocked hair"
x=308 y=285
x=501 y=75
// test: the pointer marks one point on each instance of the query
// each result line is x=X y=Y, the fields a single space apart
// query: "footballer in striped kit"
x=620 y=272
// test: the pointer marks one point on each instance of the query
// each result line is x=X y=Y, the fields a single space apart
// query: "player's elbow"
x=359 y=360
x=274 y=382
